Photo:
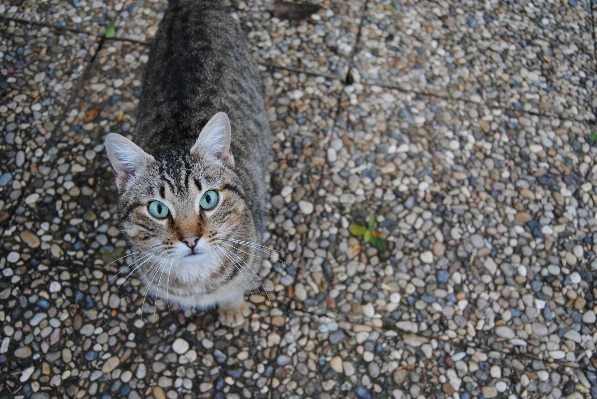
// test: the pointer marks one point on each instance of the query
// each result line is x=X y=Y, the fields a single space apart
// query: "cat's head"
x=184 y=212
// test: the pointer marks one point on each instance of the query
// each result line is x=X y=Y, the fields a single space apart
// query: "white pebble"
x=180 y=346
x=306 y=207
x=55 y=286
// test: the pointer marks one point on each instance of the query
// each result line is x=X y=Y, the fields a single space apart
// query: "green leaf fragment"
x=372 y=221
x=367 y=236
x=357 y=230
x=593 y=137
x=111 y=32
x=392 y=8
x=378 y=243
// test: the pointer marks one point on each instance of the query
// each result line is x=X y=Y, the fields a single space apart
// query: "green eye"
x=158 y=209
x=209 y=200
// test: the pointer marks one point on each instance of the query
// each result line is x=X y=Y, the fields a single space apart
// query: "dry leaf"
x=91 y=114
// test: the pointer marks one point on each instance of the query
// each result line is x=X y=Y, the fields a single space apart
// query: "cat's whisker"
x=151 y=281
x=168 y=283
x=239 y=267
x=253 y=271
x=222 y=263
x=260 y=248
x=122 y=257
x=145 y=260
x=141 y=278
x=126 y=256
x=141 y=258
x=168 y=257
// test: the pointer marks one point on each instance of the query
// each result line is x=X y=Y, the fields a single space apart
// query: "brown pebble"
x=158 y=393
x=449 y=361
x=399 y=376
x=459 y=175
x=278 y=321
x=559 y=198
x=580 y=303
x=30 y=239
x=439 y=248
x=528 y=194
x=23 y=352
x=486 y=128
x=78 y=322
x=461 y=295
x=523 y=217
x=447 y=388
x=257 y=298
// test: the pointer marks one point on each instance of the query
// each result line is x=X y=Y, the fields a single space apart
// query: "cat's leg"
x=232 y=313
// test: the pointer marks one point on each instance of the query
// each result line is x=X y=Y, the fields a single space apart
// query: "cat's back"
x=200 y=65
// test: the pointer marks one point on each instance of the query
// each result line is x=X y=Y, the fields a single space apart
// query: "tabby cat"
x=192 y=186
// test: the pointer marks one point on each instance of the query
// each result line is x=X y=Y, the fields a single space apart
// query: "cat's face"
x=185 y=214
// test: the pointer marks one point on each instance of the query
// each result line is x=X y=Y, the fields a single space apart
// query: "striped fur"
x=199 y=65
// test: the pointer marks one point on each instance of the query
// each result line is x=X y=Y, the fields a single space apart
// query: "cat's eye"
x=158 y=209
x=209 y=200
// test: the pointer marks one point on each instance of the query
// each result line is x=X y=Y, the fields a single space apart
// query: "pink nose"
x=191 y=241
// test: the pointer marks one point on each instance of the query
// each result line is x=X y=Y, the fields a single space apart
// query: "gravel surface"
x=465 y=128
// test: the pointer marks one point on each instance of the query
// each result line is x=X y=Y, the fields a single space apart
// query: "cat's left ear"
x=214 y=139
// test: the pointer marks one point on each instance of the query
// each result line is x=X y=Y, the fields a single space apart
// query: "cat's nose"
x=191 y=241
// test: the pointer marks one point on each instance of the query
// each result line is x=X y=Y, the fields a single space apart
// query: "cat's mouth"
x=194 y=254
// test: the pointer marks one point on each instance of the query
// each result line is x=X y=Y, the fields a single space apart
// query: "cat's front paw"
x=235 y=316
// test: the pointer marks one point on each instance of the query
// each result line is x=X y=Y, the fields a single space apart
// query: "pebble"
x=111 y=364
x=306 y=207
x=589 y=317
x=180 y=346
x=336 y=364
x=23 y=352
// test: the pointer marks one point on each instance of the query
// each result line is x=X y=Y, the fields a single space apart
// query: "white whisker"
x=238 y=266
x=259 y=248
x=251 y=269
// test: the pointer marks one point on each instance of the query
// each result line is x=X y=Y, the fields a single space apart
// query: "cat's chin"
x=195 y=268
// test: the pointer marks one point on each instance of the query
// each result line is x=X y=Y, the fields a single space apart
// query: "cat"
x=192 y=183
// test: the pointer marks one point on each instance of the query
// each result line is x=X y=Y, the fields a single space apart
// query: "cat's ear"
x=214 y=139
x=126 y=157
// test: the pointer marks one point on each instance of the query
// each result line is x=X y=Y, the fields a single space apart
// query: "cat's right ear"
x=125 y=156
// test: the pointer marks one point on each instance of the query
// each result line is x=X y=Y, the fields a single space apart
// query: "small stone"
x=26 y=374
x=55 y=286
x=573 y=336
x=589 y=317
x=523 y=217
x=539 y=329
x=579 y=303
x=408 y=326
x=110 y=364
x=180 y=346
x=336 y=364
x=426 y=257
x=306 y=207
x=158 y=393
x=13 y=257
x=368 y=310
x=477 y=241
x=414 y=340
x=504 y=332
x=439 y=249
x=30 y=239
x=399 y=376
x=489 y=392
x=23 y=352
x=501 y=386
x=528 y=194
x=67 y=355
